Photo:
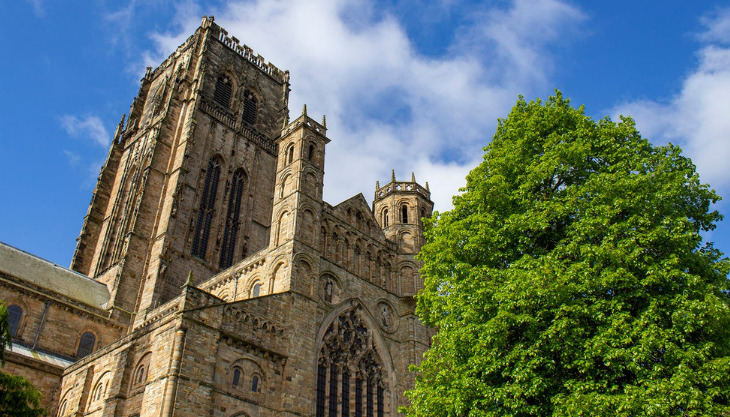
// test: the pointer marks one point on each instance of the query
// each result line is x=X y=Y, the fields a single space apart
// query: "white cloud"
x=388 y=105
x=698 y=117
x=89 y=127
x=72 y=157
x=38 y=8
x=717 y=26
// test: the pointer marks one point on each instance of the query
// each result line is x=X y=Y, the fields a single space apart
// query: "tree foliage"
x=18 y=397
x=570 y=278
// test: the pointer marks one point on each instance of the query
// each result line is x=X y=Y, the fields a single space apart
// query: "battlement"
x=400 y=187
x=246 y=52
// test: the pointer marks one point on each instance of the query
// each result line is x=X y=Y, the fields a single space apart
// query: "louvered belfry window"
x=223 y=91
x=207 y=208
x=250 y=107
x=230 y=231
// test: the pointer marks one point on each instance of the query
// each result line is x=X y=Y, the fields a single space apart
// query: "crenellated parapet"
x=401 y=187
x=246 y=52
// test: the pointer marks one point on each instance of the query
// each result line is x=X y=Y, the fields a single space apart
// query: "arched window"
x=256 y=291
x=236 y=376
x=310 y=154
x=223 y=90
x=255 y=384
x=404 y=213
x=99 y=391
x=290 y=154
x=86 y=344
x=15 y=313
x=140 y=374
x=348 y=351
x=231 y=227
x=385 y=218
x=250 y=103
x=207 y=206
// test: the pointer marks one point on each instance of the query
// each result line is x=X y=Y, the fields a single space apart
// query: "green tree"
x=18 y=397
x=570 y=278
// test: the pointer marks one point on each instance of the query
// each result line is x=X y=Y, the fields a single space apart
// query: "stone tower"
x=399 y=207
x=297 y=211
x=188 y=181
x=231 y=288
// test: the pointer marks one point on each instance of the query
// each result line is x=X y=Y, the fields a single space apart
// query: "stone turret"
x=399 y=207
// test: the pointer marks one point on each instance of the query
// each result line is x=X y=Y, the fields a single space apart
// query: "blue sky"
x=409 y=85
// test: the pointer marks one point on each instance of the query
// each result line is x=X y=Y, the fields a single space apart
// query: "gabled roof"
x=356 y=202
x=55 y=278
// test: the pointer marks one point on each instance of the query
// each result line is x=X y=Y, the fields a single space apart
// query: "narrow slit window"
x=404 y=213
x=236 y=377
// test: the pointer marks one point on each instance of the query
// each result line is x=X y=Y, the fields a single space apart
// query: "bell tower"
x=188 y=181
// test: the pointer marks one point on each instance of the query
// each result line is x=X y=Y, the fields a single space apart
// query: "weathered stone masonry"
x=221 y=283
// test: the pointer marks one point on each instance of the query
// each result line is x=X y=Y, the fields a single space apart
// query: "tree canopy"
x=570 y=278
x=18 y=397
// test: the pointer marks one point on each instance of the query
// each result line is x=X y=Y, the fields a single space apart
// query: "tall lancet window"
x=230 y=230
x=349 y=370
x=207 y=208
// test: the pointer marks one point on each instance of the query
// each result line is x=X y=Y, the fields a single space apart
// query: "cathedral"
x=209 y=276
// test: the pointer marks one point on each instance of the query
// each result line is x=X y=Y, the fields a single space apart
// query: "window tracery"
x=349 y=370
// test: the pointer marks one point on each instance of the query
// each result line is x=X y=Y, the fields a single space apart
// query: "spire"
x=324 y=121
x=189 y=282
x=427 y=189
x=392 y=176
x=304 y=110
x=377 y=185
x=286 y=121
x=413 y=177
